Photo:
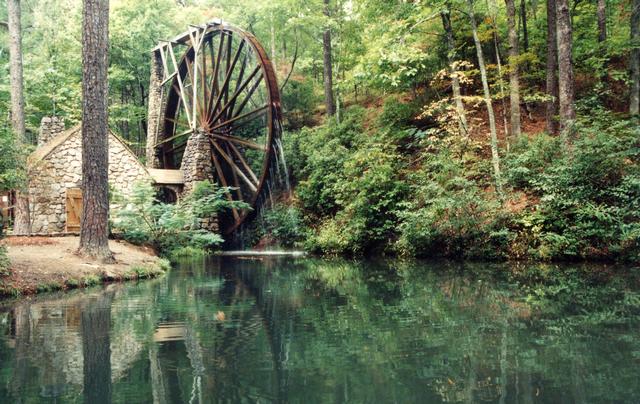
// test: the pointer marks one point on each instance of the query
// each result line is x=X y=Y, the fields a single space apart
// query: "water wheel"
x=219 y=83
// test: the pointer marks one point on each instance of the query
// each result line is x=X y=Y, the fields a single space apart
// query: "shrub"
x=4 y=262
x=397 y=114
x=449 y=215
x=143 y=219
x=284 y=224
x=588 y=193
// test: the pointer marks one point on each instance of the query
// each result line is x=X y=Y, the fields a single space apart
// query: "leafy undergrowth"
x=393 y=188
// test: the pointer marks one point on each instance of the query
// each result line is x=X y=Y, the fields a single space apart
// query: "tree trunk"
x=525 y=30
x=602 y=20
x=455 y=82
x=565 y=64
x=15 y=67
x=552 y=69
x=22 y=216
x=495 y=156
x=328 y=70
x=514 y=79
x=95 y=191
x=273 y=44
x=634 y=60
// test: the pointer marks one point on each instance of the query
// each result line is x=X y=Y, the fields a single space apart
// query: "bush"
x=449 y=215
x=4 y=262
x=143 y=219
x=284 y=224
x=589 y=193
x=397 y=114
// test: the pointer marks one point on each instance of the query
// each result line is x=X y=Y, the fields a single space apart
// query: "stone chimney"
x=50 y=127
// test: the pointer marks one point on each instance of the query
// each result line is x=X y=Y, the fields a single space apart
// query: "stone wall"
x=61 y=169
x=50 y=127
x=196 y=161
x=197 y=166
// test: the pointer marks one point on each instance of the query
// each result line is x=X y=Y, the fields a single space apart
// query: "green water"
x=306 y=331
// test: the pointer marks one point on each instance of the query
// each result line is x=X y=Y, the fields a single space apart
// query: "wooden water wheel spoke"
x=243 y=162
x=223 y=180
x=246 y=99
x=234 y=167
x=235 y=180
x=224 y=91
x=253 y=113
x=239 y=89
x=174 y=137
x=222 y=86
x=244 y=142
x=179 y=82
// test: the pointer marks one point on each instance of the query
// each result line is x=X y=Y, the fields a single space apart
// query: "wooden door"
x=74 y=210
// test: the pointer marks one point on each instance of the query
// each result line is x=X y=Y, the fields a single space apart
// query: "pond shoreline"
x=46 y=264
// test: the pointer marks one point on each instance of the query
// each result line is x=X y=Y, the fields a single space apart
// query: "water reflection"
x=300 y=330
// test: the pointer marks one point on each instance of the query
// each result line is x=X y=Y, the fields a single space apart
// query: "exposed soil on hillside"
x=49 y=263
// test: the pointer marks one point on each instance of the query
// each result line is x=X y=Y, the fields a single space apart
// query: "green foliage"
x=397 y=114
x=351 y=183
x=143 y=219
x=449 y=214
x=12 y=157
x=4 y=262
x=284 y=224
x=588 y=194
x=298 y=102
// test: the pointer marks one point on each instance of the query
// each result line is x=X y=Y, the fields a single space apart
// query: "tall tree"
x=15 y=68
x=602 y=20
x=495 y=156
x=565 y=66
x=455 y=81
x=327 y=63
x=525 y=29
x=553 y=105
x=514 y=79
x=634 y=59
x=22 y=223
x=95 y=191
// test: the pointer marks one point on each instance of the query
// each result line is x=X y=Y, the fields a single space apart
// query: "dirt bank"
x=40 y=264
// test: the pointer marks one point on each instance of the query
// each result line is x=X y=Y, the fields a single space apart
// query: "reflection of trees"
x=307 y=330
x=96 y=349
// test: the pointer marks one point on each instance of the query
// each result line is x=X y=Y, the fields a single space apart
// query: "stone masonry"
x=57 y=166
x=50 y=127
x=197 y=166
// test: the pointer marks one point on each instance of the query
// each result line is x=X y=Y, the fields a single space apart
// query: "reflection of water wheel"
x=218 y=81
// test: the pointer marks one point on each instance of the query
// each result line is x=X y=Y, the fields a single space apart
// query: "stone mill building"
x=55 y=176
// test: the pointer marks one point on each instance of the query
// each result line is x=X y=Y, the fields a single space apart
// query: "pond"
x=306 y=330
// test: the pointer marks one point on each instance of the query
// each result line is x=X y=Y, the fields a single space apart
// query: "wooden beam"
x=246 y=114
x=235 y=95
x=238 y=140
x=244 y=163
x=233 y=165
x=223 y=180
x=181 y=86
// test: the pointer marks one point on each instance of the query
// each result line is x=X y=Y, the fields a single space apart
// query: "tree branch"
x=4 y=24
x=293 y=63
